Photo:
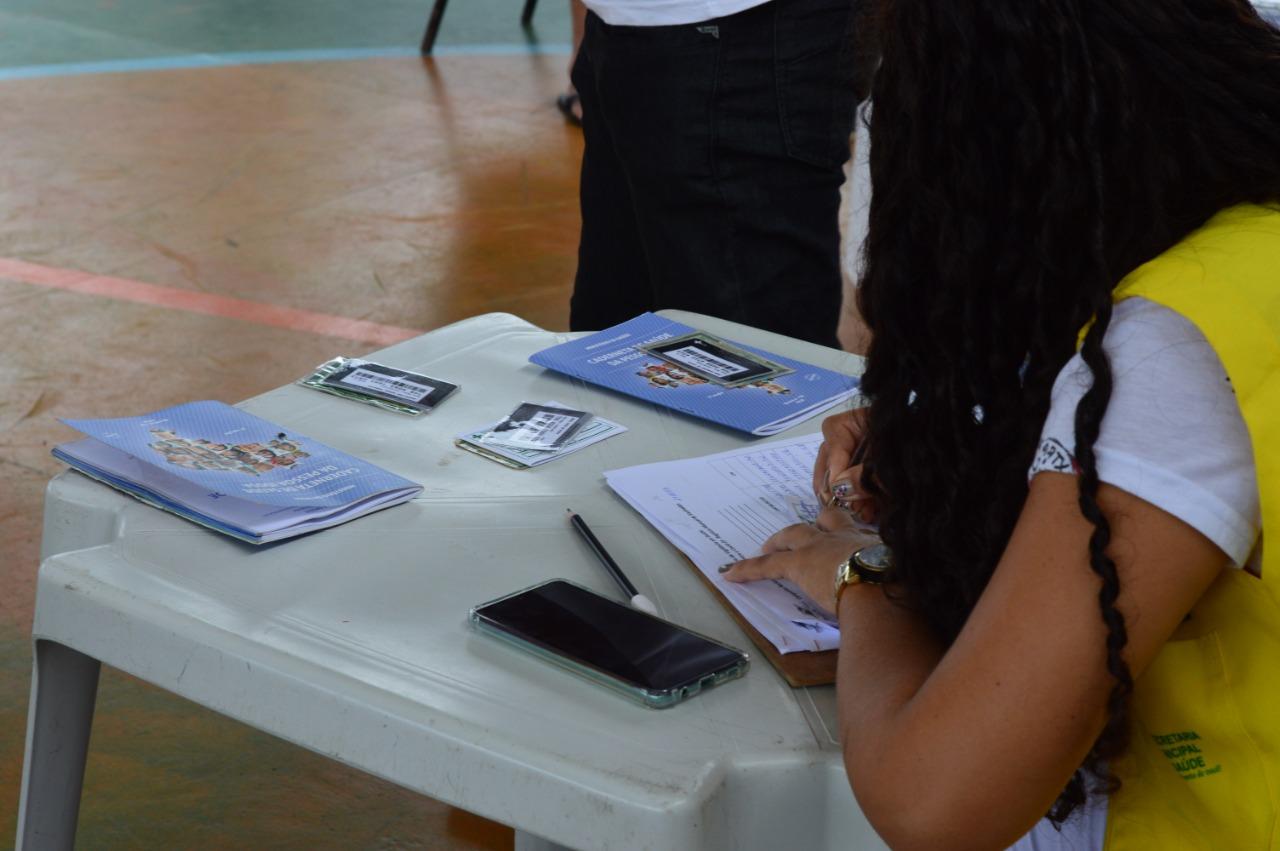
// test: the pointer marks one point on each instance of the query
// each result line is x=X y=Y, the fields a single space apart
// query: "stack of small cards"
x=712 y=359
x=534 y=434
x=385 y=387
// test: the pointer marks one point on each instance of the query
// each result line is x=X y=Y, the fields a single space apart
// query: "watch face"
x=876 y=558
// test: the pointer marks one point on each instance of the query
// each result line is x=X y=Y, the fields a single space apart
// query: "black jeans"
x=712 y=170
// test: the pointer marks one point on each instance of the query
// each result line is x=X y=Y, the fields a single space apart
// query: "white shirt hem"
x=629 y=13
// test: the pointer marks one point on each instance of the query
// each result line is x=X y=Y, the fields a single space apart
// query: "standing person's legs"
x=568 y=102
x=732 y=135
x=612 y=283
x=785 y=109
x=578 y=14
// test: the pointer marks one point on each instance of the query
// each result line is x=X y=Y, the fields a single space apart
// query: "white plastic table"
x=353 y=642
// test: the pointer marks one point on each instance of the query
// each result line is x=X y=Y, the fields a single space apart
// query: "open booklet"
x=671 y=364
x=721 y=508
x=231 y=471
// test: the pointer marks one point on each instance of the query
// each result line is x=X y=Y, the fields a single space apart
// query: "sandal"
x=570 y=106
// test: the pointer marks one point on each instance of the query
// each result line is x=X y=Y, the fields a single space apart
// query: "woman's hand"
x=806 y=555
x=837 y=472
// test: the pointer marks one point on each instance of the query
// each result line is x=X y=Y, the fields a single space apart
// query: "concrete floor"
x=404 y=193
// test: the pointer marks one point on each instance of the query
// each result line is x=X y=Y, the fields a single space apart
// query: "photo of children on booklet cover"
x=248 y=458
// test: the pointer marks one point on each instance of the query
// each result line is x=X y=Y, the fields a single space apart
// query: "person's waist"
x=647 y=13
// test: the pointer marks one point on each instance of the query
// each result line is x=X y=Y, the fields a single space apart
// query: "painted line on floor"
x=271 y=57
x=260 y=313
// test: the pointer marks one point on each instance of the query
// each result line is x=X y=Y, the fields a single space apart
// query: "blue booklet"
x=231 y=471
x=676 y=366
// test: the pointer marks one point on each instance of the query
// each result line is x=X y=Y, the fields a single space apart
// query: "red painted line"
x=173 y=298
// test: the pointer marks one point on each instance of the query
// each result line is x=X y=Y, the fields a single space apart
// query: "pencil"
x=637 y=600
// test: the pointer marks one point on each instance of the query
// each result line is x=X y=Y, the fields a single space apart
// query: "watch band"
x=871 y=564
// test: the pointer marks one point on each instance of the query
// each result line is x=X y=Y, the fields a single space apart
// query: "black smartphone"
x=641 y=656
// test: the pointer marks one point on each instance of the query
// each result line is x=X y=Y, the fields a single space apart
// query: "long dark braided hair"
x=1026 y=155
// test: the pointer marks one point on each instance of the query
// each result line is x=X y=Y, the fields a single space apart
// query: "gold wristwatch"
x=871 y=564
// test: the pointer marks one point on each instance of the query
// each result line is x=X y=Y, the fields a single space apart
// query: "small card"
x=710 y=358
x=594 y=430
x=532 y=426
x=383 y=386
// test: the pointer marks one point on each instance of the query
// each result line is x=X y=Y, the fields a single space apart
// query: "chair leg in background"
x=433 y=27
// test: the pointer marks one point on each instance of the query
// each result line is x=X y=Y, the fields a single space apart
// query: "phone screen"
x=611 y=637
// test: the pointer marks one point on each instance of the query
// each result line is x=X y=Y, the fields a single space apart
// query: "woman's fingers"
x=835 y=520
x=846 y=484
x=822 y=475
x=840 y=436
x=806 y=556
x=845 y=447
x=770 y=566
x=812 y=576
x=791 y=538
x=864 y=510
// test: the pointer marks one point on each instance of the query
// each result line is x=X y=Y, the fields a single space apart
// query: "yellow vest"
x=1203 y=770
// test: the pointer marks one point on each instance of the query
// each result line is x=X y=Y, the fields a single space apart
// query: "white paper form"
x=722 y=508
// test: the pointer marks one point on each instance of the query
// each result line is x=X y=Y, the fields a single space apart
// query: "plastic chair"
x=437 y=14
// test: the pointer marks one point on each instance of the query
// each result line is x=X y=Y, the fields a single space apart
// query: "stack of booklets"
x=231 y=471
x=671 y=364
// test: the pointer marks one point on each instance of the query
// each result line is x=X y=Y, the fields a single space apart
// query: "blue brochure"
x=697 y=378
x=231 y=471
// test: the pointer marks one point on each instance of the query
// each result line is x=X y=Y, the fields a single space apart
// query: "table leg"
x=529 y=842
x=64 y=683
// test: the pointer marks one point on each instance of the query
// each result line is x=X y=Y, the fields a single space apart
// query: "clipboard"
x=800 y=669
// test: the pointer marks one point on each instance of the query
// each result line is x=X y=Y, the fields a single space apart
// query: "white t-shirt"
x=1084 y=830
x=661 y=13
x=1173 y=436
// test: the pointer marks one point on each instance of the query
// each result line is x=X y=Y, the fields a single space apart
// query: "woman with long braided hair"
x=1072 y=284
